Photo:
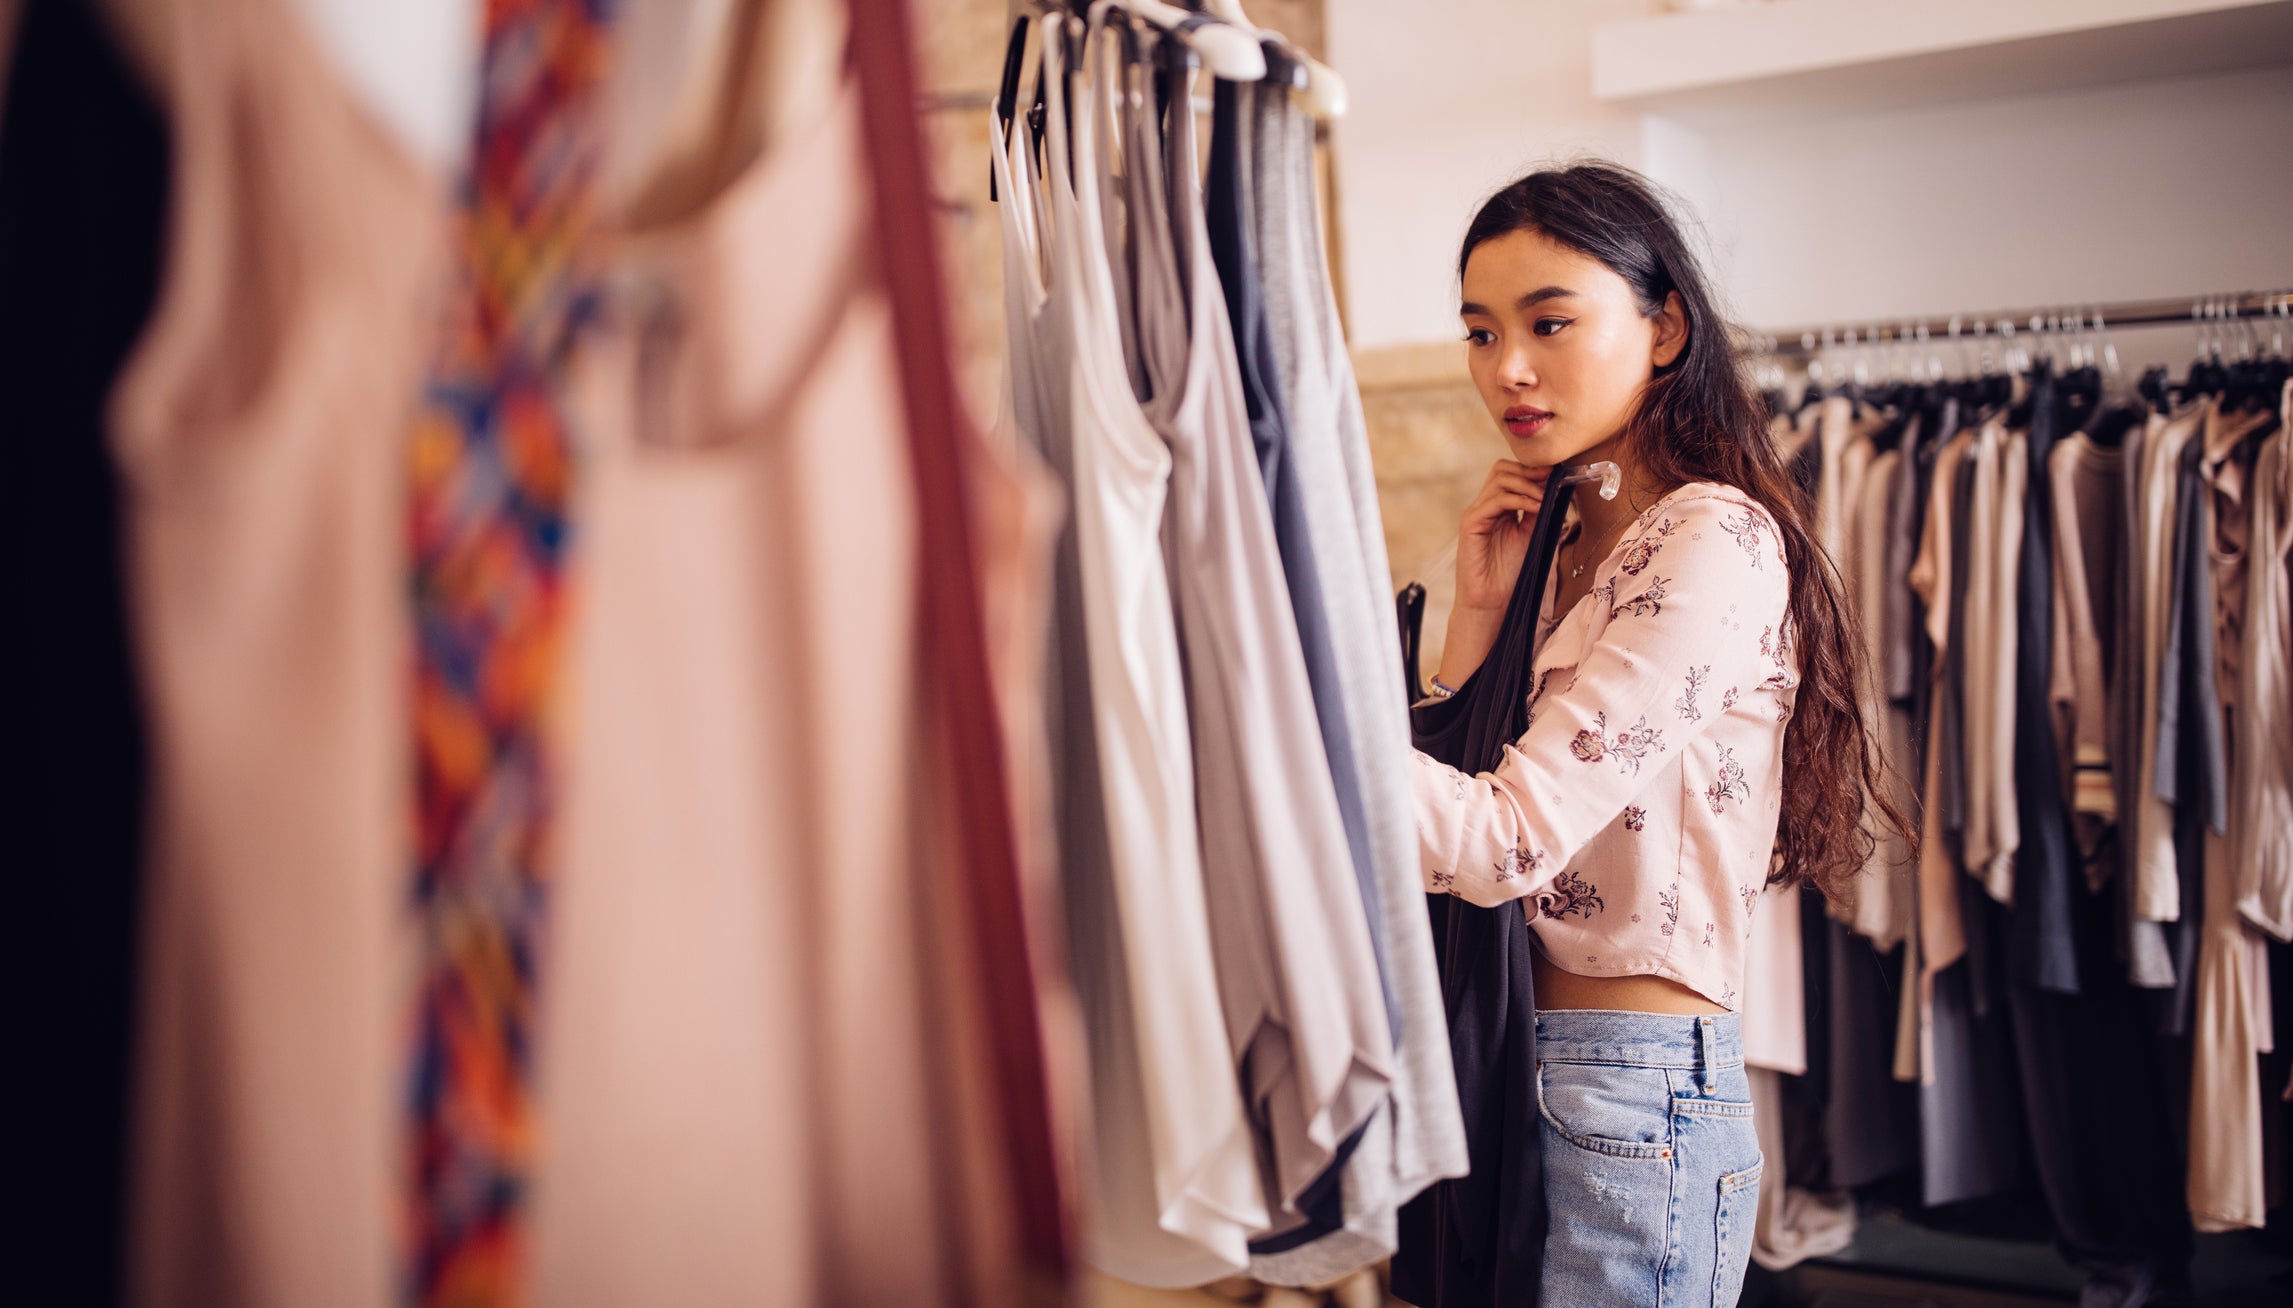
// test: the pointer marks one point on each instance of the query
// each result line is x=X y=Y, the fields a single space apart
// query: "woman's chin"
x=1543 y=450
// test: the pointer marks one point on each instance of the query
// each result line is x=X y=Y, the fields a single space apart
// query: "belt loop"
x=1707 y=1076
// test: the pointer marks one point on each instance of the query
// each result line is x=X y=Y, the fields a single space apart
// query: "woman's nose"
x=1517 y=370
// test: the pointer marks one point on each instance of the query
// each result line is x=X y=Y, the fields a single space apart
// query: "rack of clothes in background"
x=2071 y=1014
x=1269 y=1058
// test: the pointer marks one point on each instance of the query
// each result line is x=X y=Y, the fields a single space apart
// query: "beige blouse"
x=1637 y=814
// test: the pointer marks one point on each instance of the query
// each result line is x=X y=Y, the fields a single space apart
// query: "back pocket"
x=1738 y=1220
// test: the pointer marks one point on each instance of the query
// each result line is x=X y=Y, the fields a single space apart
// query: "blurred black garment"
x=83 y=193
x=1478 y=1241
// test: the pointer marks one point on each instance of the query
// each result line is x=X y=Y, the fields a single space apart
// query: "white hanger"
x=1324 y=94
x=1226 y=50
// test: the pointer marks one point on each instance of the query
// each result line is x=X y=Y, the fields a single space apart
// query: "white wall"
x=2152 y=189
x=1450 y=99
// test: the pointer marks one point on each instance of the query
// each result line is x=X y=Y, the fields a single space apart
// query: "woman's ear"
x=1671 y=331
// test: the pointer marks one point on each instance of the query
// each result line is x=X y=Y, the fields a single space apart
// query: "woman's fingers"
x=1495 y=504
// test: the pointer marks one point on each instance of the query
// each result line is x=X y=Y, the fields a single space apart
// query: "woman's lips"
x=1523 y=421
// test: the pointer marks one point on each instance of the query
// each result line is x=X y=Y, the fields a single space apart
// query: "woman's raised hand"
x=1494 y=536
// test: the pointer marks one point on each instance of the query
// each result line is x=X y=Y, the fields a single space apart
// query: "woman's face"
x=1558 y=346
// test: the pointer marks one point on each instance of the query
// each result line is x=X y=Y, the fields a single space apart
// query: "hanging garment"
x=2148 y=959
x=1897 y=605
x=2115 y=1210
x=490 y=474
x=1329 y=444
x=1795 y=1223
x=2193 y=754
x=1932 y=577
x=260 y=428
x=1993 y=821
x=2045 y=876
x=1296 y=969
x=2157 y=883
x=750 y=538
x=1479 y=1239
x=2262 y=778
x=1883 y=900
x=1886 y=902
x=2232 y=1026
x=2086 y=482
x=763 y=1046
x=2227 y=1185
x=1331 y=448
x=1227 y=200
x=1177 y=1185
x=84 y=168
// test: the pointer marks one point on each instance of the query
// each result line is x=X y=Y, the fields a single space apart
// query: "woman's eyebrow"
x=1529 y=301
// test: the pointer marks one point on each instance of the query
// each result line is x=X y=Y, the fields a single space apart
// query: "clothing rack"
x=2058 y=322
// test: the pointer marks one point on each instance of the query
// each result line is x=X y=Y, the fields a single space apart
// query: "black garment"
x=1478 y=1241
x=1806 y=1098
x=1871 y=1122
x=2045 y=865
x=2089 y=1072
x=2193 y=756
x=2098 y=1112
x=83 y=195
x=1950 y=693
x=1409 y=611
x=1226 y=193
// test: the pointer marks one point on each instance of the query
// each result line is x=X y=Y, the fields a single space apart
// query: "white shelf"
x=1796 y=57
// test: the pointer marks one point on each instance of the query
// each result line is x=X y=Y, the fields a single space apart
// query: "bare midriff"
x=1557 y=988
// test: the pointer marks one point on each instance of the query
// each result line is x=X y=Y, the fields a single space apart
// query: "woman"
x=1693 y=726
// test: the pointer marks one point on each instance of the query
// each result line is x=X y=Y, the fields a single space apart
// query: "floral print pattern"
x=1630 y=747
x=1670 y=899
x=1646 y=604
x=1728 y=699
x=1685 y=706
x=1519 y=862
x=1730 y=784
x=1642 y=551
x=1746 y=530
x=1750 y=895
x=1771 y=646
x=1635 y=817
x=1570 y=896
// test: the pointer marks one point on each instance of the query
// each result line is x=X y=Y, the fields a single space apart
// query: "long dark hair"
x=1698 y=419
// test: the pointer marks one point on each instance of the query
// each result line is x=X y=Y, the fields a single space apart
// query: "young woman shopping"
x=1693 y=729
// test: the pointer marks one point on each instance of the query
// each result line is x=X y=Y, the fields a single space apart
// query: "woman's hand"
x=1494 y=536
x=1491 y=542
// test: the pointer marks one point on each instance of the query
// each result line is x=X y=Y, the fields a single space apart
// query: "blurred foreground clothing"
x=83 y=192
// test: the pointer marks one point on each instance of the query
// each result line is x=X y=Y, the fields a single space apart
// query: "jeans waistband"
x=1597 y=1035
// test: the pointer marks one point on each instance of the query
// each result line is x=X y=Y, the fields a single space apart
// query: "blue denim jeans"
x=1652 y=1166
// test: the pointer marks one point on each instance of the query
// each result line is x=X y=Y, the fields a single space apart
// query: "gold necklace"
x=1587 y=557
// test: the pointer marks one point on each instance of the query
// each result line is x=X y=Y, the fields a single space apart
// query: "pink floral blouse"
x=1637 y=813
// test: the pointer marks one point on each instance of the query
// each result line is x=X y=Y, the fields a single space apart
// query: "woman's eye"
x=1548 y=326
x=1479 y=335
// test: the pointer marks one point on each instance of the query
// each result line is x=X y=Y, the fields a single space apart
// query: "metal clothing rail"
x=2197 y=311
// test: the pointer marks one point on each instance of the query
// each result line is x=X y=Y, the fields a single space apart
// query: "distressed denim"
x=1652 y=1167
